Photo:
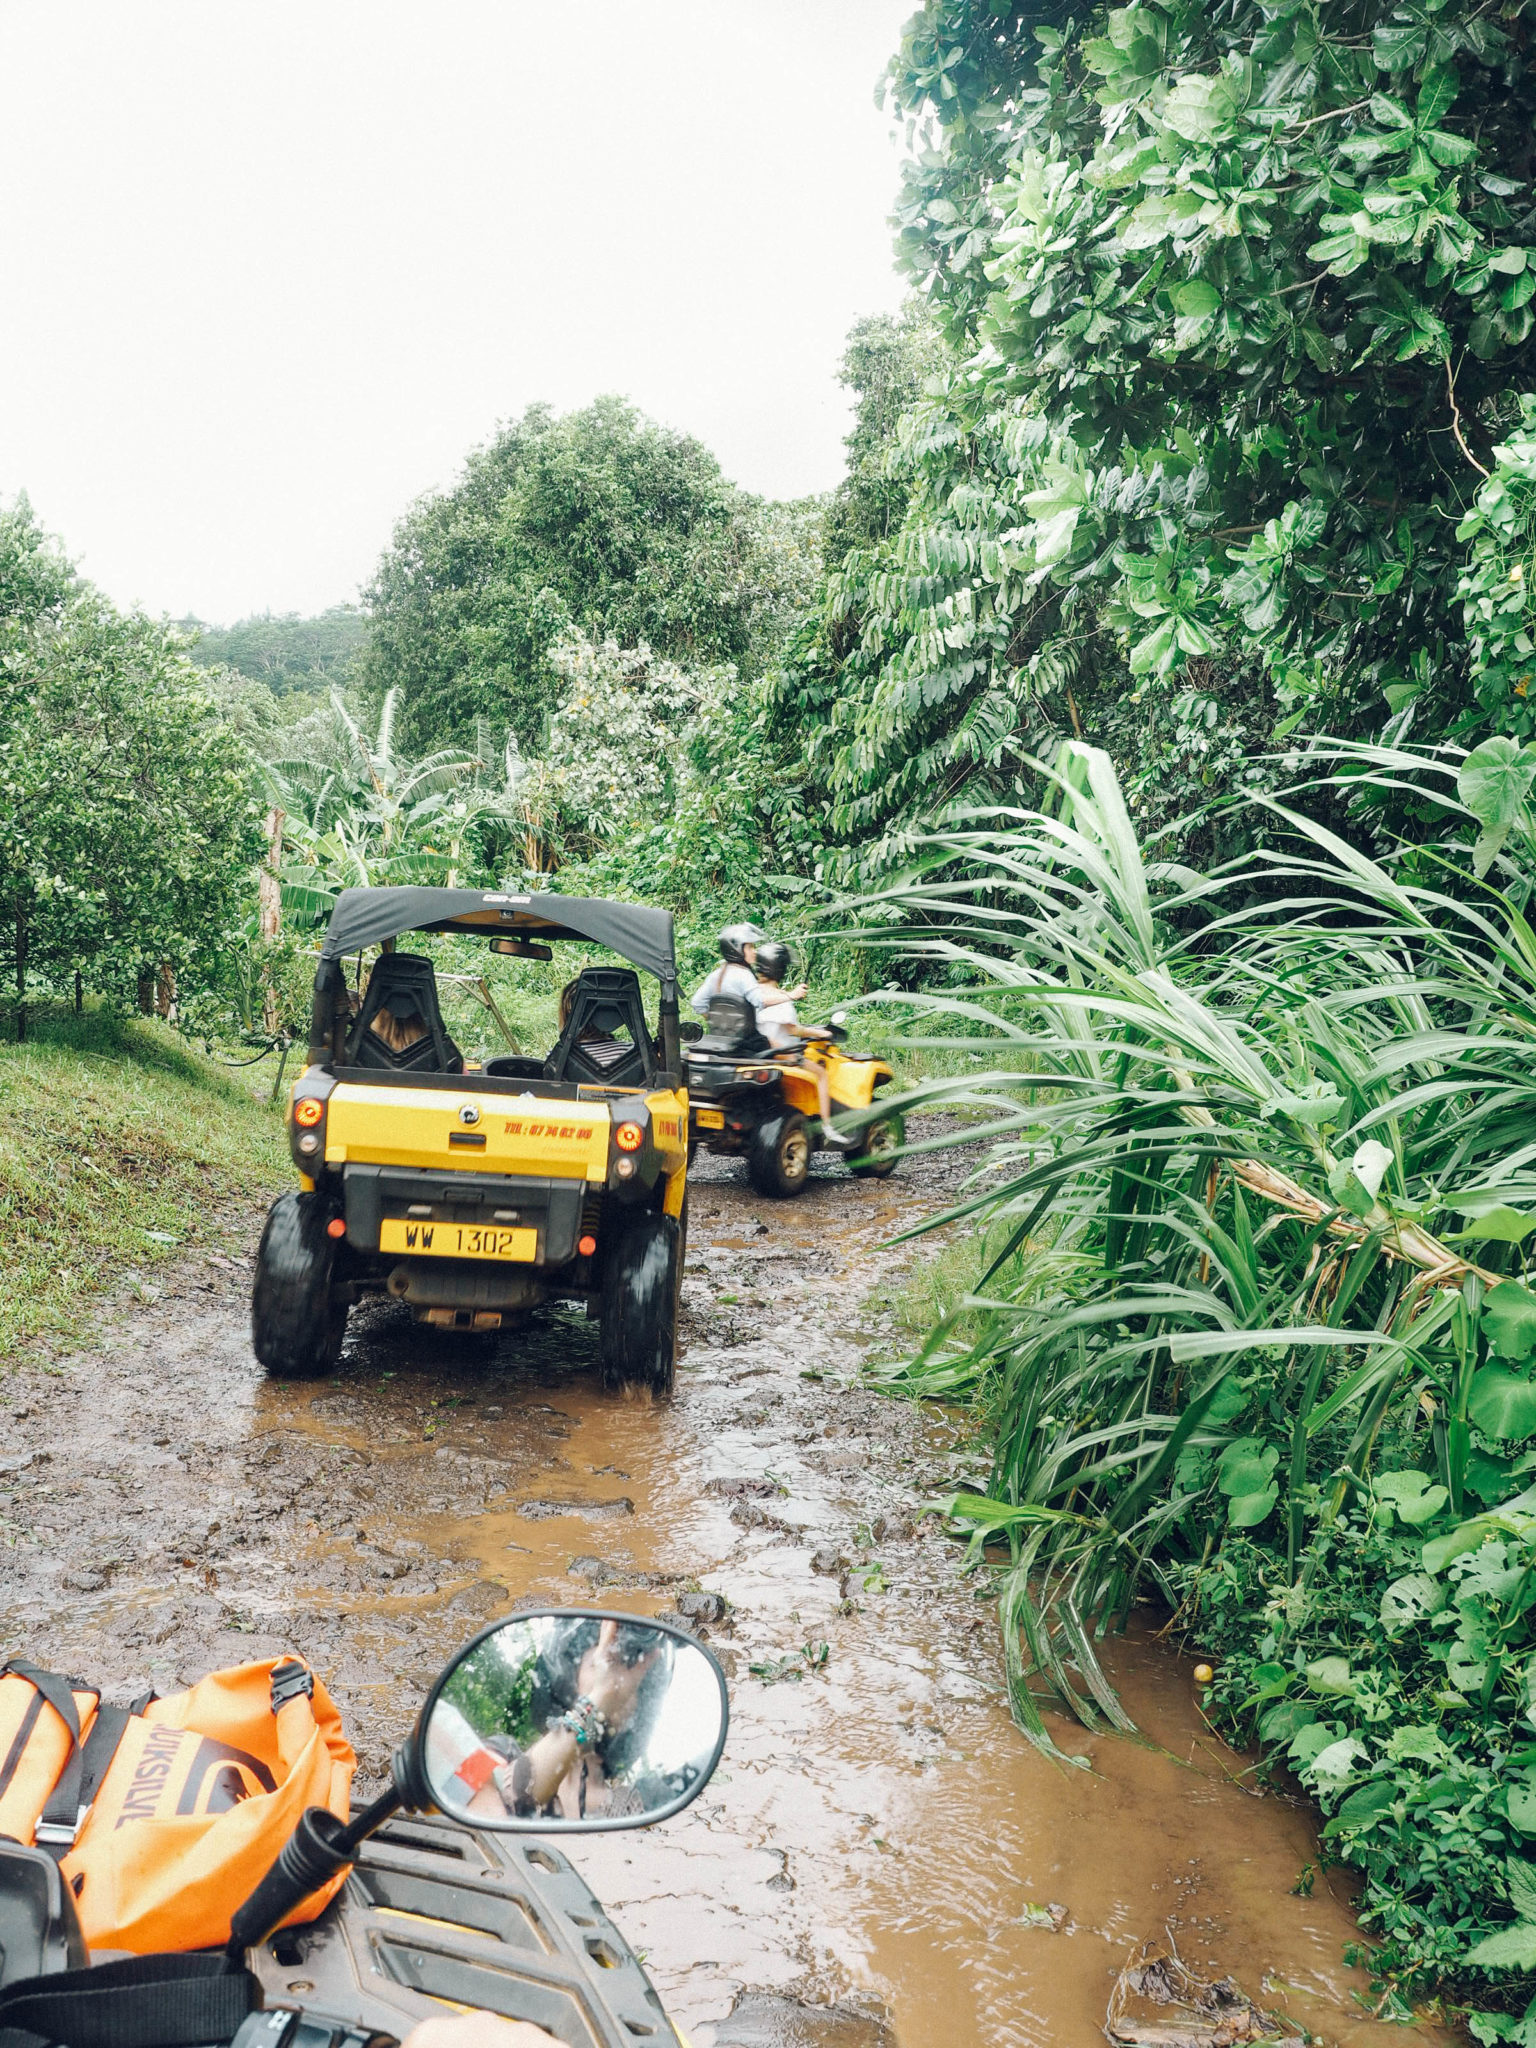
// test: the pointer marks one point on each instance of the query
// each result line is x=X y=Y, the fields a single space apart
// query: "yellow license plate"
x=711 y=1119
x=457 y=1240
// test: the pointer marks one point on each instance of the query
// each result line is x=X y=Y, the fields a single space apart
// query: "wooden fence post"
x=269 y=901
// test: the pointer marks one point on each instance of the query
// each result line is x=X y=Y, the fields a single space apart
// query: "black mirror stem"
x=318 y=1847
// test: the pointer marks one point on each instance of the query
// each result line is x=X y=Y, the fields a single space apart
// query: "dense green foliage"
x=282 y=650
x=1254 y=1131
x=127 y=812
x=599 y=521
x=1239 y=299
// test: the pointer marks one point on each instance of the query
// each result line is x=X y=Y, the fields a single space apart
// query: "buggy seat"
x=400 y=1027
x=605 y=1043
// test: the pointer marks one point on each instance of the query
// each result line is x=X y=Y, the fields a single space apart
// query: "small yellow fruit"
x=1203 y=1674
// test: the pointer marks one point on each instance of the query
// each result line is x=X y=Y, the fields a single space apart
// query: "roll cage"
x=366 y=917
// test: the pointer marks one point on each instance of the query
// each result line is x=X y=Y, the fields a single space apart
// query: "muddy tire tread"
x=881 y=1165
x=297 y=1322
x=766 y=1156
x=637 y=1337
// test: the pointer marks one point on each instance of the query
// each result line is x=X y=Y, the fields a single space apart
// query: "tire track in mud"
x=876 y=1855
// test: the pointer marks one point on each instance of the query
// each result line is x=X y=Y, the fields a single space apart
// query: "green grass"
x=119 y=1146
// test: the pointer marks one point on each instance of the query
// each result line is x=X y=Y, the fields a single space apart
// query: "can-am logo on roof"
x=504 y=899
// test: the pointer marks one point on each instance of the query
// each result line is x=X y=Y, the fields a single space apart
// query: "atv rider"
x=779 y=1022
x=735 y=976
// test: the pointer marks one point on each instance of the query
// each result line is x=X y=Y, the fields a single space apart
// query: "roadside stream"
x=881 y=1858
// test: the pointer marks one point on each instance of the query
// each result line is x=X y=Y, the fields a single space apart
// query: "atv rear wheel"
x=638 y=1334
x=879 y=1142
x=779 y=1157
x=297 y=1319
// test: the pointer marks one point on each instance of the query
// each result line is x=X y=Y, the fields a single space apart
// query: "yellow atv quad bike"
x=471 y=1193
x=744 y=1101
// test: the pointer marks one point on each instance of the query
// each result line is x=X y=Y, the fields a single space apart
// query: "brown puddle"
x=880 y=1842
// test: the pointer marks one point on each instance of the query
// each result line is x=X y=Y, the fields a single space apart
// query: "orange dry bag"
x=168 y=1815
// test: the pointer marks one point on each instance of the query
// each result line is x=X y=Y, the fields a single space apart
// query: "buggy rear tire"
x=297 y=1320
x=638 y=1331
x=779 y=1156
x=880 y=1141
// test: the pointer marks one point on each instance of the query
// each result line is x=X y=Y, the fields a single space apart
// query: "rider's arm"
x=709 y=986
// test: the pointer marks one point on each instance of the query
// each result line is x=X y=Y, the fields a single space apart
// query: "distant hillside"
x=283 y=650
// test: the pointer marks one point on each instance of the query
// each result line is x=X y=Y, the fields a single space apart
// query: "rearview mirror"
x=522 y=949
x=572 y=1719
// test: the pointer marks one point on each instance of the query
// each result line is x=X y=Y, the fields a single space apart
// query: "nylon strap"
x=56 y=1823
x=144 y=2002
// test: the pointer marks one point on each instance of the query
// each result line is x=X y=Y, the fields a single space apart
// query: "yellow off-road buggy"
x=745 y=1102
x=472 y=1193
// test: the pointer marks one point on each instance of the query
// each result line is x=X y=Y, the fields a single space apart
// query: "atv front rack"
x=434 y=1916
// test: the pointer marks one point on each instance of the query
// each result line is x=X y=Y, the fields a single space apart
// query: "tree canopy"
x=1241 y=304
x=283 y=650
x=599 y=521
x=127 y=810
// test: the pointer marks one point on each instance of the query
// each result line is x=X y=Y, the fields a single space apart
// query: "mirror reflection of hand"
x=477 y=2030
x=610 y=1684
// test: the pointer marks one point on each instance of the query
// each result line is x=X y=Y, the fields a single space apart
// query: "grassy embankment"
x=119 y=1146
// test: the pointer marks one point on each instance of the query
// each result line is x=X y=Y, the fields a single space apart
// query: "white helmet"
x=736 y=938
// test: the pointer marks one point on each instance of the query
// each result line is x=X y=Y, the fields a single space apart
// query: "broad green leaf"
x=1269 y=1681
x=1502 y=1404
x=1522 y=1806
x=1437 y=91
x=1317 y=1104
x=1196 y=299
x=1423 y=1743
x=1366 y=1805
x=1509 y=1320
x=1284 y=1721
x=1512 y=1948
x=1411 y=1599
x=1330 y=1675
x=1248 y=1510
x=1412 y=1495
x=1492 y=1222
x=1494 y=781
x=1310 y=1740
x=1246 y=1465
x=1521 y=1879
x=1369 y=1165
x=1337 y=1764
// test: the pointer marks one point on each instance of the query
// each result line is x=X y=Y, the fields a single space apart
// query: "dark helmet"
x=773 y=958
x=735 y=939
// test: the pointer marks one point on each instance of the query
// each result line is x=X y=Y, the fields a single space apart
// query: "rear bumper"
x=551 y=1207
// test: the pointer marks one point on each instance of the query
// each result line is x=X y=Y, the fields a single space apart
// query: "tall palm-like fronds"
x=360 y=813
x=1237 y=1117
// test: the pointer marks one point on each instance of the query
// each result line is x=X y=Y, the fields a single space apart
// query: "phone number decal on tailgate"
x=457 y=1240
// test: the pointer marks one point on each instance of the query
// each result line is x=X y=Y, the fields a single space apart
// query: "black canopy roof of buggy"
x=363 y=917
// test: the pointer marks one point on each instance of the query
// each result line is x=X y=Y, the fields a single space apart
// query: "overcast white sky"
x=272 y=268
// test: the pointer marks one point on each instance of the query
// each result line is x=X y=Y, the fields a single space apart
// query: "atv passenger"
x=734 y=976
x=779 y=1022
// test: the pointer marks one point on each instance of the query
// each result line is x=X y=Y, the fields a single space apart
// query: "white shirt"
x=730 y=978
x=775 y=1013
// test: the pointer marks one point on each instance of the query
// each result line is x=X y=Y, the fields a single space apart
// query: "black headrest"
x=405 y=984
x=606 y=1003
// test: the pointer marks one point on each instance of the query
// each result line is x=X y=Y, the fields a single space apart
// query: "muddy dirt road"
x=879 y=1839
